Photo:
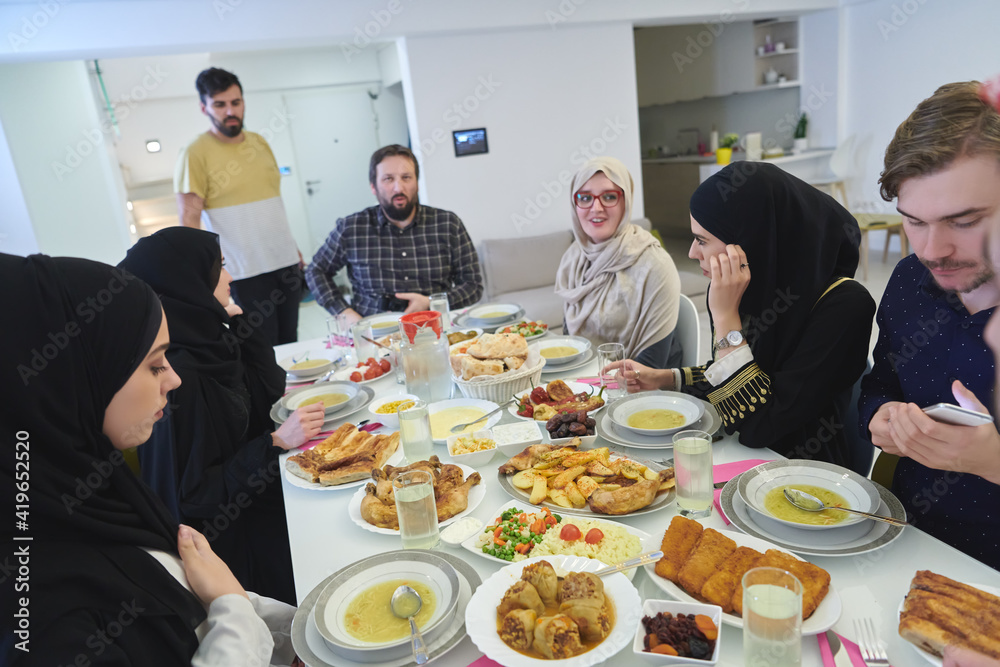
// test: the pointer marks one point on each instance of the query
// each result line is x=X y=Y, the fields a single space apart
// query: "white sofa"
x=523 y=271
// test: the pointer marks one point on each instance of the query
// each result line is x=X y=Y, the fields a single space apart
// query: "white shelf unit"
x=786 y=61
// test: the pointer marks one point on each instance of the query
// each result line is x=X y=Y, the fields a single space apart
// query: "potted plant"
x=800 y=142
x=725 y=152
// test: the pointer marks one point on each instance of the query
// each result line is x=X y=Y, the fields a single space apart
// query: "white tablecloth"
x=323 y=540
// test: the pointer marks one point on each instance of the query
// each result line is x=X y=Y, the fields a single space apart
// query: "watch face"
x=734 y=337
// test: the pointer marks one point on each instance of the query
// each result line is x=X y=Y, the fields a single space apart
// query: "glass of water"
x=418 y=519
x=396 y=357
x=693 y=473
x=612 y=381
x=415 y=431
x=439 y=302
x=772 y=618
x=363 y=346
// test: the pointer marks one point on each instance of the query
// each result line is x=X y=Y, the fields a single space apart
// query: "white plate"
x=481 y=614
x=662 y=499
x=858 y=539
x=578 y=343
x=344 y=375
x=607 y=429
x=859 y=492
x=822 y=619
x=576 y=388
x=394 y=460
x=689 y=407
x=365 y=395
x=587 y=357
x=929 y=657
x=485 y=406
x=311 y=648
x=470 y=543
x=527 y=338
x=476 y=495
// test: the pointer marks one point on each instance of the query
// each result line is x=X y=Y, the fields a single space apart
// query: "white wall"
x=547 y=99
x=17 y=237
x=64 y=161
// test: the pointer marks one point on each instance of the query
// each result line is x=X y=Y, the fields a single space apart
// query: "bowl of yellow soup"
x=335 y=396
x=384 y=410
x=445 y=414
x=762 y=489
x=493 y=313
x=656 y=413
x=307 y=365
x=562 y=350
x=353 y=615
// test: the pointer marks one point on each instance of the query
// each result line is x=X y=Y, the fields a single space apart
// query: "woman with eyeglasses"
x=618 y=283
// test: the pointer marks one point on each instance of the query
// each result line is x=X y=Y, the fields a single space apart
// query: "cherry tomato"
x=372 y=372
x=594 y=535
x=371 y=361
x=384 y=365
x=356 y=377
x=570 y=533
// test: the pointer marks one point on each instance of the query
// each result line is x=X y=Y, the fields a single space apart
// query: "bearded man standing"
x=397 y=253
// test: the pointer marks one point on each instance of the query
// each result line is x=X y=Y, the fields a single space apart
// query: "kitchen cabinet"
x=667 y=187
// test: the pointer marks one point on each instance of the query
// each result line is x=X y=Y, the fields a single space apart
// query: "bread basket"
x=500 y=388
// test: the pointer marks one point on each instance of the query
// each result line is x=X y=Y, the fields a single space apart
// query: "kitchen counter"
x=710 y=159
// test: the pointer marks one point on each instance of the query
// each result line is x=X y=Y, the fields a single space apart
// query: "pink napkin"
x=484 y=662
x=827 y=655
x=725 y=472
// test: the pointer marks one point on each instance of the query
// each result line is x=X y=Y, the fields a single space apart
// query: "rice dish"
x=617 y=546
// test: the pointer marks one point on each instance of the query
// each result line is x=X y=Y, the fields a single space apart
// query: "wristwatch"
x=732 y=339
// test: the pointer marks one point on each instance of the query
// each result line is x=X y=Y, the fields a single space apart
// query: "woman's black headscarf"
x=797 y=240
x=76 y=330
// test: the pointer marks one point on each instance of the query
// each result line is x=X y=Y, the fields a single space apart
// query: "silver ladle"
x=809 y=503
x=406 y=603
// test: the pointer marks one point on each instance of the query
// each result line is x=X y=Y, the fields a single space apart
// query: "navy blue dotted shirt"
x=927 y=340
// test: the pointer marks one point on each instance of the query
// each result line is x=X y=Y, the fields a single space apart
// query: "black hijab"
x=76 y=332
x=797 y=240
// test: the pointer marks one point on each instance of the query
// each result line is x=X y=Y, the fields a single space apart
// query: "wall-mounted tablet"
x=470 y=142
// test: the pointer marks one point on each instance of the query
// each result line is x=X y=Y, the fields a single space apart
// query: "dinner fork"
x=871 y=647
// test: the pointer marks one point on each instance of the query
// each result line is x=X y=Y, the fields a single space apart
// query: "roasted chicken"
x=629 y=498
x=451 y=492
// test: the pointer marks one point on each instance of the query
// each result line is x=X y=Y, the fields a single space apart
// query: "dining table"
x=871 y=585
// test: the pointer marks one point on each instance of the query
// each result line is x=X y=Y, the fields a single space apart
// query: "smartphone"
x=953 y=414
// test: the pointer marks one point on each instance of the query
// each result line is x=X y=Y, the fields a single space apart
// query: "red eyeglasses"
x=609 y=198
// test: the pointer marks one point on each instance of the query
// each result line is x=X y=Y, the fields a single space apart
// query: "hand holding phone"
x=959 y=416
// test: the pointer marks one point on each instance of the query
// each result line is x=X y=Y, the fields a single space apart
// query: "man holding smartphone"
x=397 y=253
x=943 y=167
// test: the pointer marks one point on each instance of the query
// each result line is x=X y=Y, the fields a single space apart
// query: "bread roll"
x=472 y=367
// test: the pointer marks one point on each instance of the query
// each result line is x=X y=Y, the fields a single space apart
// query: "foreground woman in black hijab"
x=790 y=326
x=214 y=458
x=107 y=575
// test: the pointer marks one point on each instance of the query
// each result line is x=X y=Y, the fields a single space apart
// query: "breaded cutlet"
x=720 y=586
x=712 y=550
x=679 y=540
x=815 y=580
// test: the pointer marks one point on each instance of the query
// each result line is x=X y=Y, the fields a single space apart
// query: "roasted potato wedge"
x=559 y=497
x=564 y=478
x=574 y=495
x=539 y=490
x=599 y=468
x=587 y=485
x=525 y=479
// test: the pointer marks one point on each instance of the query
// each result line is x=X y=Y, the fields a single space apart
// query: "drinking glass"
x=418 y=519
x=415 y=431
x=606 y=354
x=396 y=357
x=363 y=348
x=439 y=302
x=772 y=618
x=693 y=473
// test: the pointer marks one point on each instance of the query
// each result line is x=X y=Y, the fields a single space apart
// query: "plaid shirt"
x=432 y=254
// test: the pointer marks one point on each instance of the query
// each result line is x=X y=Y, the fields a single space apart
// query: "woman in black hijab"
x=791 y=329
x=105 y=573
x=214 y=458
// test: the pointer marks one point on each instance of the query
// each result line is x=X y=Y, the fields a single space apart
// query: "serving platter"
x=481 y=621
x=710 y=422
x=849 y=541
x=394 y=460
x=661 y=501
x=364 y=396
x=575 y=387
x=822 y=619
x=470 y=543
x=930 y=657
x=309 y=644
x=476 y=495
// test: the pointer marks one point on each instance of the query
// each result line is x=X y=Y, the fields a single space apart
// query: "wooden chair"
x=892 y=223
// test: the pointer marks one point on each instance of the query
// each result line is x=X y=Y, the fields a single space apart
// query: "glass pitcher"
x=424 y=348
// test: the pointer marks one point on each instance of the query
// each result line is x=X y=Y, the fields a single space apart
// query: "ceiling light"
x=153 y=146
x=132 y=228
x=128 y=204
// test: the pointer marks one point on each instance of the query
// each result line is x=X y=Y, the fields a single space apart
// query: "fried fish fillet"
x=712 y=550
x=678 y=541
x=815 y=580
x=940 y=612
x=720 y=586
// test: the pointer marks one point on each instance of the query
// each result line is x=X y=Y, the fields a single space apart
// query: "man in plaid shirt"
x=397 y=253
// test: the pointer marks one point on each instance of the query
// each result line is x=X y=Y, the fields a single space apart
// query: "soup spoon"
x=406 y=603
x=809 y=503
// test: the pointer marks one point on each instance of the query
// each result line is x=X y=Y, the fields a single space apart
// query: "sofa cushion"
x=515 y=265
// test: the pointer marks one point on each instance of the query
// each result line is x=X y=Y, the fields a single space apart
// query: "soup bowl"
x=297 y=398
x=494 y=313
x=312 y=366
x=418 y=566
x=756 y=484
x=689 y=408
x=577 y=343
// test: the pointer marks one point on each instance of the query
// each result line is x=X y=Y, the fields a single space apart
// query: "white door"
x=334 y=135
